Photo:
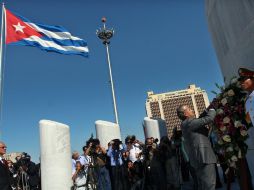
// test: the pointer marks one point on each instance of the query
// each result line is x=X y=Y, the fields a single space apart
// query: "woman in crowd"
x=79 y=177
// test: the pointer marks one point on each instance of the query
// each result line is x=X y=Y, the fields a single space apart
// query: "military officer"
x=246 y=78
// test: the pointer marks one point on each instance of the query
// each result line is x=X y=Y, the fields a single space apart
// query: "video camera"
x=116 y=144
x=92 y=143
x=130 y=139
x=24 y=161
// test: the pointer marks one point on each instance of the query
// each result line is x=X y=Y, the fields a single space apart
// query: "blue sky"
x=161 y=45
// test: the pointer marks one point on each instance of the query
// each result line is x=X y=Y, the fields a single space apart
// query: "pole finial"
x=103 y=19
x=103 y=33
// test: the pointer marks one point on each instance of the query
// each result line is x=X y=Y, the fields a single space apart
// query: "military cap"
x=245 y=72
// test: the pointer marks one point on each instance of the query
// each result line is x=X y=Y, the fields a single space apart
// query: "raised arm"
x=203 y=121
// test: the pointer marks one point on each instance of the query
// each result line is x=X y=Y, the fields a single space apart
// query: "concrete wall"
x=154 y=128
x=106 y=131
x=231 y=24
x=55 y=155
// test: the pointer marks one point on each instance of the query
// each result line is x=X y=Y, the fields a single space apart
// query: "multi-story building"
x=12 y=156
x=164 y=105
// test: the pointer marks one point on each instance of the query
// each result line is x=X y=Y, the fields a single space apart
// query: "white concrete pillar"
x=107 y=131
x=155 y=128
x=55 y=156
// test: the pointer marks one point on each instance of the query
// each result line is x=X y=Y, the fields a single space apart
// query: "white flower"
x=233 y=80
x=229 y=149
x=226 y=138
x=220 y=142
x=239 y=154
x=223 y=128
x=237 y=124
x=234 y=158
x=231 y=93
x=244 y=133
x=238 y=84
x=226 y=120
x=224 y=101
x=219 y=111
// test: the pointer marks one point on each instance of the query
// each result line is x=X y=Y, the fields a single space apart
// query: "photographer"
x=119 y=174
x=135 y=149
x=103 y=173
x=148 y=153
x=91 y=161
x=98 y=156
x=28 y=177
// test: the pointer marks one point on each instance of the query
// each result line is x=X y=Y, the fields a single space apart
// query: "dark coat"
x=5 y=180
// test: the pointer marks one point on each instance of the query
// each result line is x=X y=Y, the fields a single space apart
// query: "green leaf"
x=217 y=85
x=214 y=92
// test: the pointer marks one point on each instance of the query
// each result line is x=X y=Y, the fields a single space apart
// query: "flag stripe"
x=66 y=42
x=47 y=44
x=53 y=34
x=49 y=49
x=50 y=46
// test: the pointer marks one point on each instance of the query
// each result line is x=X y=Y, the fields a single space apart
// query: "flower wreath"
x=230 y=125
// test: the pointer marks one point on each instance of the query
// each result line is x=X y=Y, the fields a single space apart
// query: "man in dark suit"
x=198 y=146
x=5 y=181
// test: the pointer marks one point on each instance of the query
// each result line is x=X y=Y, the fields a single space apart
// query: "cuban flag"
x=20 y=31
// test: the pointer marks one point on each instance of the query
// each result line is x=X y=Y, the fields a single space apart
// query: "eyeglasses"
x=3 y=147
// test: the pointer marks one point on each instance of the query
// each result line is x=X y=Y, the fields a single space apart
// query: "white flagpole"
x=1 y=64
x=105 y=34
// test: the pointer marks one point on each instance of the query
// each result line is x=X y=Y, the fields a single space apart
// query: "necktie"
x=5 y=162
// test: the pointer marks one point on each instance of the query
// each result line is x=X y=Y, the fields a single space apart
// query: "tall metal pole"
x=105 y=34
x=3 y=33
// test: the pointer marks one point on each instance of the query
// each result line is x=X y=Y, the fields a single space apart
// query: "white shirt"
x=73 y=162
x=134 y=151
x=81 y=180
x=84 y=160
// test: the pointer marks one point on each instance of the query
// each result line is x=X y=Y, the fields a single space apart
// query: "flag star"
x=19 y=27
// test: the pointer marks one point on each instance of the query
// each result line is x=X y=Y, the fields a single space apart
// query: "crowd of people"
x=131 y=165
x=156 y=164
x=128 y=165
x=23 y=174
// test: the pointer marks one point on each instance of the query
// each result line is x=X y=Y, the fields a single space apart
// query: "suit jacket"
x=196 y=142
x=5 y=181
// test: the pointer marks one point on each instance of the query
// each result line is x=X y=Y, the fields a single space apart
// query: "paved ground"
x=235 y=186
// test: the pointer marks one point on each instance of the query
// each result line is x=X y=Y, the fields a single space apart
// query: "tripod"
x=92 y=174
x=22 y=180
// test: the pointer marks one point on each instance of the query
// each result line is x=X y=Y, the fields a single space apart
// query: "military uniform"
x=249 y=109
